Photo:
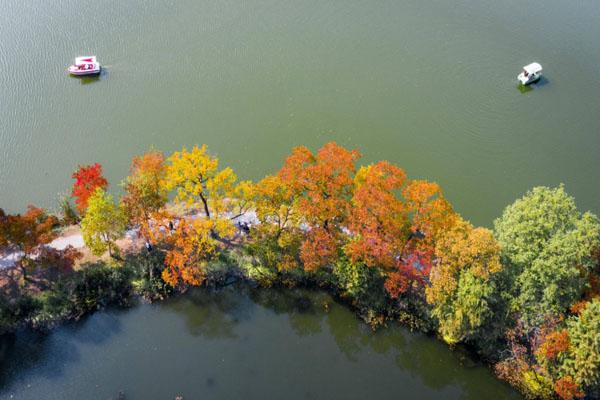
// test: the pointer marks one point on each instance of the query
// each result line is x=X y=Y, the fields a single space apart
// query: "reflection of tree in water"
x=424 y=357
x=439 y=367
x=303 y=307
x=19 y=355
x=213 y=314
x=348 y=331
x=29 y=354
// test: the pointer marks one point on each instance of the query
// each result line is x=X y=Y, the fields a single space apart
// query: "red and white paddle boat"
x=85 y=66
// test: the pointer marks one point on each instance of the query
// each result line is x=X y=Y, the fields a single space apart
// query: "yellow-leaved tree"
x=215 y=199
x=460 y=286
x=103 y=223
x=277 y=239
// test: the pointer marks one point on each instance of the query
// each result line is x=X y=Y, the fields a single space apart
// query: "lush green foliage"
x=460 y=280
x=582 y=361
x=547 y=244
x=103 y=223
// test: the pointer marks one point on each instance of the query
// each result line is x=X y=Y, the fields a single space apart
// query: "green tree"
x=583 y=358
x=460 y=280
x=547 y=245
x=103 y=223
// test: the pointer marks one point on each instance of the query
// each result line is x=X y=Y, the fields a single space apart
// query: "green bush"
x=362 y=284
x=147 y=268
x=14 y=312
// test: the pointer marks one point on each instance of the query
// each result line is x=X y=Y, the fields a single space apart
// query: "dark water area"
x=238 y=343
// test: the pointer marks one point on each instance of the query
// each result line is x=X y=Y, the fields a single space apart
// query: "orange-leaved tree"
x=324 y=182
x=378 y=219
x=87 y=179
x=430 y=213
x=192 y=246
x=26 y=232
x=145 y=194
x=566 y=388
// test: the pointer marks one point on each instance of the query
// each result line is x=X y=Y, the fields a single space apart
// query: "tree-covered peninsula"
x=524 y=296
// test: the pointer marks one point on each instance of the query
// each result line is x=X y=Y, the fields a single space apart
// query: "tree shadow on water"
x=211 y=313
x=439 y=367
x=304 y=308
x=27 y=354
x=96 y=328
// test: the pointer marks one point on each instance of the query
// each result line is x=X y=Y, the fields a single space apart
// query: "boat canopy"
x=85 y=59
x=533 y=68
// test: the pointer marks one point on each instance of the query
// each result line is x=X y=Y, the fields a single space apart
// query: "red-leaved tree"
x=87 y=179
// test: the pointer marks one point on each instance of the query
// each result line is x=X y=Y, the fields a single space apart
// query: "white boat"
x=531 y=73
x=87 y=65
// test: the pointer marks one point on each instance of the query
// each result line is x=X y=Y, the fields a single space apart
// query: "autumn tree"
x=428 y=216
x=103 y=223
x=191 y=248
x=411 y=271
x=548 y=246
x=324 y=182
x=567 y=389
x=197 y=181
x=145 y=193
x=558 y=357
x=525 y=364
x=460 y=285
x=87 y=179
x=378 y=219
x=276 y=240
x=430 y=212
x=26 y=233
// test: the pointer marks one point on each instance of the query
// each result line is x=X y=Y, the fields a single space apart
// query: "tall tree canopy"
x=430 y=212
x=324 y=182
x=548 y=245
x=192 y=246
x=196 y=179
x=378 y=218
x=198 y=182
x=276 y=240
x=145 y=194
x=87 y=179
x=103 y=223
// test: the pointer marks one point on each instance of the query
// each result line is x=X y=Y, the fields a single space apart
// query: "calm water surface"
x=238 y=344
x=429 y=85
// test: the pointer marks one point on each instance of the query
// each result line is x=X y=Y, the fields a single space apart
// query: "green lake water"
x=429 y=85
x=238 y=344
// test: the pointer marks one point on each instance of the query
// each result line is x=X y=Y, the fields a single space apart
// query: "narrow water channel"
x=238 y=343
